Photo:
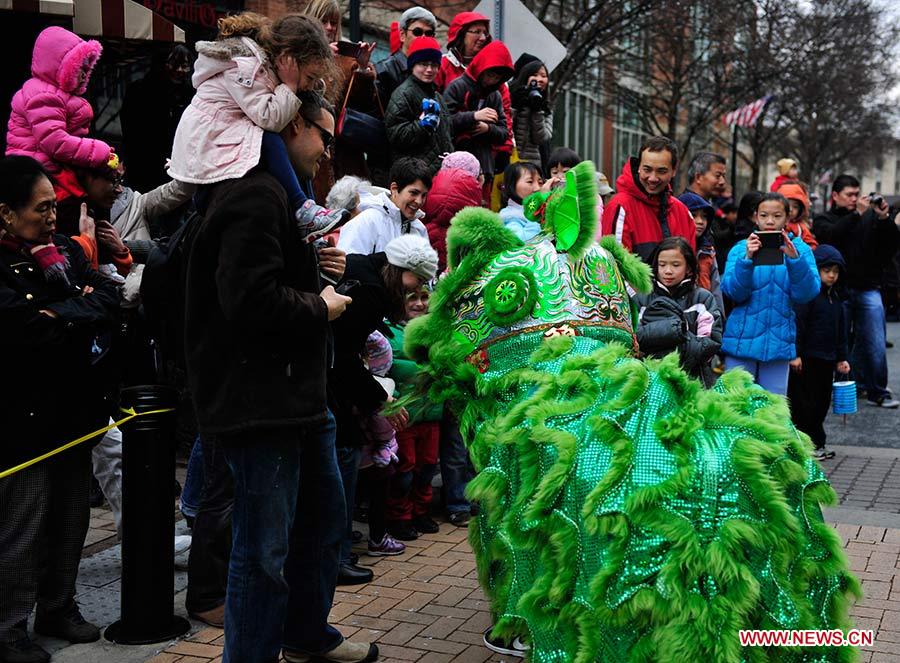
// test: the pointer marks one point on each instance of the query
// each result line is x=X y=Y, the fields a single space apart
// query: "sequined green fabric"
x=627 y=514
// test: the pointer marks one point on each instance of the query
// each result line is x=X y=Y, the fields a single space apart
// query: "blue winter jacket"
x=762 y=325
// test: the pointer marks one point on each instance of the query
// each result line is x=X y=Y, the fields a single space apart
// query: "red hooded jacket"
x=632 y=215
x=452 y=68
x=451 y=190
x=465 y=96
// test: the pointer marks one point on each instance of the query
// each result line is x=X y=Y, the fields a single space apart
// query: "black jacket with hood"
x=867 y=243
x=822 y=324
x=684 y=318
x=465 y=96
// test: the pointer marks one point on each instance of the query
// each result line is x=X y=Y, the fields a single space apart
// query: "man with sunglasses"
x=257 y=347
x=391 y=72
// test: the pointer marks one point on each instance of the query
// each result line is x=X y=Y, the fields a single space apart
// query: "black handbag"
x=365 y=131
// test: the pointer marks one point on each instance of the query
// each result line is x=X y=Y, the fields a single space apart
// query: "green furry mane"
x=634 y=270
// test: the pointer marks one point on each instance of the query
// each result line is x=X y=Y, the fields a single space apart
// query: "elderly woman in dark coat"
x=52 y=303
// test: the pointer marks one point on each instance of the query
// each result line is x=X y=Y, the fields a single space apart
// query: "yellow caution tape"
x=84 y=438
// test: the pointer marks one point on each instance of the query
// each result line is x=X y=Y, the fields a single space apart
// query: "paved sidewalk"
x=425 y=606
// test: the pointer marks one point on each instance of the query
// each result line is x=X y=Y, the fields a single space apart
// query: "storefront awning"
x=58 y=7
x=123 y=19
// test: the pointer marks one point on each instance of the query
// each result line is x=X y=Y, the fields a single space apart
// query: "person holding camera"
x=861 y=228
x=532 y=117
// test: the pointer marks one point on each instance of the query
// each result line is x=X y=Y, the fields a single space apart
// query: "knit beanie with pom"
x=463 y=161
x=413 y=253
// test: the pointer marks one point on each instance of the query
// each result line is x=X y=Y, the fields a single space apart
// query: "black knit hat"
x=523 y=60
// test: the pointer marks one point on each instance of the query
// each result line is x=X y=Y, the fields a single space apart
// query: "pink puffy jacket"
x=50 y=119
x=220 y=134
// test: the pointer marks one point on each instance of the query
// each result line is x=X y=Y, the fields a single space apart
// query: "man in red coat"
x=643 y=211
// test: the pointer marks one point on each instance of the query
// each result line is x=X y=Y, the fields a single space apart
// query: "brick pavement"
x=425 y=606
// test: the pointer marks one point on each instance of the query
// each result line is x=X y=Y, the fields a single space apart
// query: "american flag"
x=746 y=116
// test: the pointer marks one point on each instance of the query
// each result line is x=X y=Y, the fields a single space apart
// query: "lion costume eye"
x=510 y=296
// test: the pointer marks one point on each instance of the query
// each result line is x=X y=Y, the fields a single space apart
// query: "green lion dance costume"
x=627 y=514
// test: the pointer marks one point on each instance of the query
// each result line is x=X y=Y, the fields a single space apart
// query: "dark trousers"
x=211 y=544
x=348 y=462
x=411 y=485
x=809 y=393
x=456 y=467
x=287 y=524
x=44 y=517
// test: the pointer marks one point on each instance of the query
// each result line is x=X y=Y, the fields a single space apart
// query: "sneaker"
x=66 y=624
x=887 y=401
x=182 y=544
x=315 y=221
x=23 y=650
x=459 y=518
x=346 y=652
x=388 y=546
x=425 y=525
x=214 y=617
x=403 y=530
x=513 y=647
x=823 y=454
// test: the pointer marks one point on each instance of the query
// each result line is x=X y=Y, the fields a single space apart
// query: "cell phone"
x=345 y=287
x=350 y=49
x=770 y=252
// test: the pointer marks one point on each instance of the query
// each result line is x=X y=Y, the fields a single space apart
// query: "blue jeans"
x=456 y=468
x=274 y=152
x=192 y=492
x=283 y=569
x=868 y=358
x=348 y=462
x=770 y=375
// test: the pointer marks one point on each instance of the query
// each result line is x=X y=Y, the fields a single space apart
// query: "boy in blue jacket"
x=821 y=350
x=761 y=331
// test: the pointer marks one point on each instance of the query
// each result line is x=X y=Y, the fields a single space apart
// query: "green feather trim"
x=633 y=269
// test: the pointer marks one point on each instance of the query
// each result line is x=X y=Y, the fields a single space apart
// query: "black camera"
x=876 y=199
x=535 y=96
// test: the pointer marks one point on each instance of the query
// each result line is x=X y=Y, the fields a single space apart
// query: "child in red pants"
x=409 y=500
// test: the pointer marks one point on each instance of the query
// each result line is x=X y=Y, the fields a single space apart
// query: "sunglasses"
x=418 y=32
x=327 y=136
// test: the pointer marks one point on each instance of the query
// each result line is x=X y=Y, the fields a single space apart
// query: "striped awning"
x=123 y=19
x=58 y=7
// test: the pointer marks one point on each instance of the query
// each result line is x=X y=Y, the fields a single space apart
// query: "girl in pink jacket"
x=49 y=118
x=242 y=102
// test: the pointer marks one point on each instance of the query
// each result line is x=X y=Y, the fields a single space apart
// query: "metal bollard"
x=148 y=524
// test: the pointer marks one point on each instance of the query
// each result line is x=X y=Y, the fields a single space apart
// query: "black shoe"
x=425 y=525
x=23 y=650
x=403 y=530
x=888 y=345
x=354 y=574
x=67 y=624
x=459 y=518
x=354 y=558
